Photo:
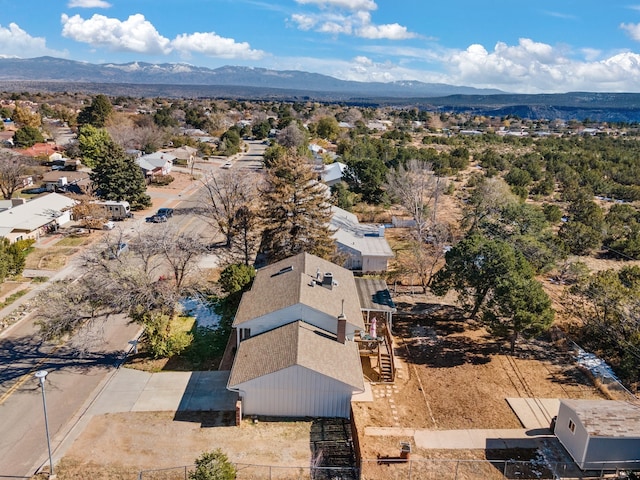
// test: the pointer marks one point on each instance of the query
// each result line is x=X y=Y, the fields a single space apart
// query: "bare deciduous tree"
x=145 y=282
x=13 y=168
x=224 y=194
x=291 y=136
x=415 y=187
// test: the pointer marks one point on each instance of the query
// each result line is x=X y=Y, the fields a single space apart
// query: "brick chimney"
x=342 y=326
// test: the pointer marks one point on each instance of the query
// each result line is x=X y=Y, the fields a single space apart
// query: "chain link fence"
x=260 y=472
x=436 y=469
x=414 y=469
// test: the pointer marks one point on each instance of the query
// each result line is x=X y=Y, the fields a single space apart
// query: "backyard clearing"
x=452 y=375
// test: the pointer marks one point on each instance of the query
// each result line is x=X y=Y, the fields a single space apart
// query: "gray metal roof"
x=374 y=295
x=607 y=418
x=301 y=344
x=362 y=237
x=292 y=281
x=35 y=213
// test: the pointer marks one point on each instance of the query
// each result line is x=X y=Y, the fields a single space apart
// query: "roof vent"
x=327 y=280
x=283 y=270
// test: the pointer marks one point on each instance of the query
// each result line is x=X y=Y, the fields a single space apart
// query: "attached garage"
x=600 y=434
x=297 y=370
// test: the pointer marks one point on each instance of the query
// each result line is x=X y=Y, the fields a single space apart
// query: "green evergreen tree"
x=94 y=144
x=296 y=211
x=98 y=113
x=118 y=177
x=27 y=137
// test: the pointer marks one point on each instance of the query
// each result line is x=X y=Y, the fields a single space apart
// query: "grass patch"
x=73 y=242
x=49 y=258
x=39 y=279
x=13 y=297
x=205 y=351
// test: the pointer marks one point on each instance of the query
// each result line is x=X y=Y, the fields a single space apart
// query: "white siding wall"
x=296 y=392
x=293 y=313
x=575 y=442
x=374 y=264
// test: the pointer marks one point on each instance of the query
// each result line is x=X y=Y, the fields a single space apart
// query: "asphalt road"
x=78 y=368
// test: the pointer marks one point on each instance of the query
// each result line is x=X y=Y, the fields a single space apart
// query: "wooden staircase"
x=386 y=368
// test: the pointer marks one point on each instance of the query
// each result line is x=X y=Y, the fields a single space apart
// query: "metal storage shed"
x=600 y=434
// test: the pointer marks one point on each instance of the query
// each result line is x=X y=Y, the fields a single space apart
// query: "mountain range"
x=248 y=83
x=52 y=69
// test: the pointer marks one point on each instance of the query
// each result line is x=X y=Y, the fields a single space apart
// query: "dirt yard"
x=124 y=444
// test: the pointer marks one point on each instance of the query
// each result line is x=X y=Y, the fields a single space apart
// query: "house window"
x=246 y=333
x=572 y=426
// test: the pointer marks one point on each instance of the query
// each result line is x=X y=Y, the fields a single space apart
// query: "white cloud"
x=358 y=24
x=633 y=29
x=532 y=67
x=215 y=46
x=391 y=31
x=304 y=22
x=135 y=34
x=345 y=4
x=16 y=42
x=88 y=4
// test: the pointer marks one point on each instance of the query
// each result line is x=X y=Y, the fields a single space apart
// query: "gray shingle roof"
x=291 y=281
x=301 y=344
x=607 y=418
x=374 y=295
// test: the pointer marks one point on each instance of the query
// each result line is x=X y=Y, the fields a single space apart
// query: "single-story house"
x=35 y=218
x=297 y=370
x=41 y=150
x=332 y=173
x=600 y=434
x=186 y=154
x=156 y=164
x=364 y=245
x=73 y=181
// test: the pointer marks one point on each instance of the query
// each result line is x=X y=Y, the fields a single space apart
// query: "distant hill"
x=48 y=74
x=51 y=69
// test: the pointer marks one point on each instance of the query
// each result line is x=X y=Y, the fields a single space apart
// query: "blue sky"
x=525 y=47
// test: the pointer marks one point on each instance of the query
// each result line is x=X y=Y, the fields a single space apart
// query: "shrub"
x=162 y=180
x=213 y=466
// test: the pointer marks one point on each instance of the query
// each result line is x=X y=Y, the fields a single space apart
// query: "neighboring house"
x=185 y=154
x=364 y=245
x=156 y=164
x=35 y=218
x=40 y=150
x=600 y=434
x=332 y=173
x=296 y=354
x=72 y=181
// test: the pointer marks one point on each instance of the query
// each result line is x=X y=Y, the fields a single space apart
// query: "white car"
x=109 y=225
x=227 y=164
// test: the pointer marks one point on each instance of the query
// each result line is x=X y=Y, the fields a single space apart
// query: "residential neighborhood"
x=353 y=292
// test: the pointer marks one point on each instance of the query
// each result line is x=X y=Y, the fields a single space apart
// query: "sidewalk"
x=469 y=439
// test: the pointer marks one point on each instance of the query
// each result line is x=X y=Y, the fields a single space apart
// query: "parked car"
x=227 y=164
x=156 y=219
x=115 y=251
x=167 y=212
x=109 y=225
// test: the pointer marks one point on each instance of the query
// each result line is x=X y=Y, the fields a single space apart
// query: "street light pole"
x=42 y=375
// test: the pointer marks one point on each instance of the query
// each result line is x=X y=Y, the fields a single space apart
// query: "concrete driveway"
x=132 y=390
